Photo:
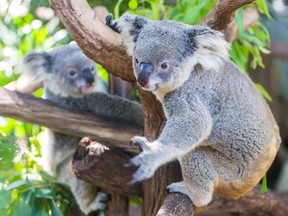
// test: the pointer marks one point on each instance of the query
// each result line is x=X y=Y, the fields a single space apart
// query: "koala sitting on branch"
x=71 y=81
x=218 y=125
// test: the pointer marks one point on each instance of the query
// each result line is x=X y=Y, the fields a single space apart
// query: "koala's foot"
x=148 y=160
x=179 y=187
x=99 y=203
x=112 y=23
x=198 y=197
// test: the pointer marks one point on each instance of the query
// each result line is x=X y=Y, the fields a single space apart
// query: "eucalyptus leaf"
x=264 y=187
x=55 y=209
x=17 y=184
x=263 y=92
x=5 y=197
x=21 y=209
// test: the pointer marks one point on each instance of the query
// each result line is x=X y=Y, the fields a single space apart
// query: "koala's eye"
x=164 y=65
x=72 y=73
x=136 y=60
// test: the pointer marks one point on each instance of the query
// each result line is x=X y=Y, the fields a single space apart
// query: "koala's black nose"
x=144 y=72
x=88 y=76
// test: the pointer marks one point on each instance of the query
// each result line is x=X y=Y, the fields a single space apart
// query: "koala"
x=218 y=125
x=71 y=81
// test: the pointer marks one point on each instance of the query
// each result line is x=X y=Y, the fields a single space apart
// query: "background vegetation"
x=25 y=189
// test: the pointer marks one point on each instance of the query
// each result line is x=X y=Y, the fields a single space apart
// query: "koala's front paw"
x=112 y=23
x=147 y=161
x=147 y=167
x=142 y=142
x=179 y=187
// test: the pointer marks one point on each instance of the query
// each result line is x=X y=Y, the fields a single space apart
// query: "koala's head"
x=66 y=71
x=164 y=53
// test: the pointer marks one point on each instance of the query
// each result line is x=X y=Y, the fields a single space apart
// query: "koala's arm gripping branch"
x=37 y=111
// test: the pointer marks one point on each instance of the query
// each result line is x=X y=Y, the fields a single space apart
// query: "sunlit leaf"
x=264 y=187
x=263 y=92
x=239 y=17
x=17 y=184
x=262 y=7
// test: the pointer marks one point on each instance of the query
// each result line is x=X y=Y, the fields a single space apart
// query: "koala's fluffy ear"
x=37 y=65
x=207 y=43
x=129 y=26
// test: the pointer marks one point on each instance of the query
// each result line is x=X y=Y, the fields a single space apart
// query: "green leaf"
x=46 y=176
x=7 y=154
x=55 y=210
x=117 y=9
x=21 y=209
x=46 y=193
x=5 y=197
x=264 y=188
x=239 y=17
x=262 y=7
x=17 y=184
x=41 y=212
x=263 y=92
x=3 y=212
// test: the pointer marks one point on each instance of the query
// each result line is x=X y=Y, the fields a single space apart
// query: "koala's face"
x=73 y=74
x=158 y=56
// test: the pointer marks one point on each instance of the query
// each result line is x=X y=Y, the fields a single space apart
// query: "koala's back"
x=244 y=138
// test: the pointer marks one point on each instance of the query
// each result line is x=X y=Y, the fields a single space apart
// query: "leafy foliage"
x=24 y=188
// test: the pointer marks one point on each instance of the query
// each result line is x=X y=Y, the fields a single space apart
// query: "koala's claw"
x=112 y=24
x=142 y=142
x=144 y=172
x=99 y=203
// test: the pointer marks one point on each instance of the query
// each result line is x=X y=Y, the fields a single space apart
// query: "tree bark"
x=97 y=41
x=223 y=13
x=253 y=203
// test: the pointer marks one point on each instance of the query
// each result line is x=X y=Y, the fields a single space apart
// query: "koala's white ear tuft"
x=211 y=46
x=35 y=67
x=214 y=43
x=130 y=27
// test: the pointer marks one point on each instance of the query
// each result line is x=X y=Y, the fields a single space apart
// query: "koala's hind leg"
x=199 y=177
x=87 y=196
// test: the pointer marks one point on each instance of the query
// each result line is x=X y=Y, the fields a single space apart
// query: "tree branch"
x=97 y=41
x=108 y=166
x=38 y=111
x=250 y=17
x=223 y=13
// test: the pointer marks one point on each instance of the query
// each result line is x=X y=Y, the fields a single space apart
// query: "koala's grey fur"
x=218 y=125
x=71 y=81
